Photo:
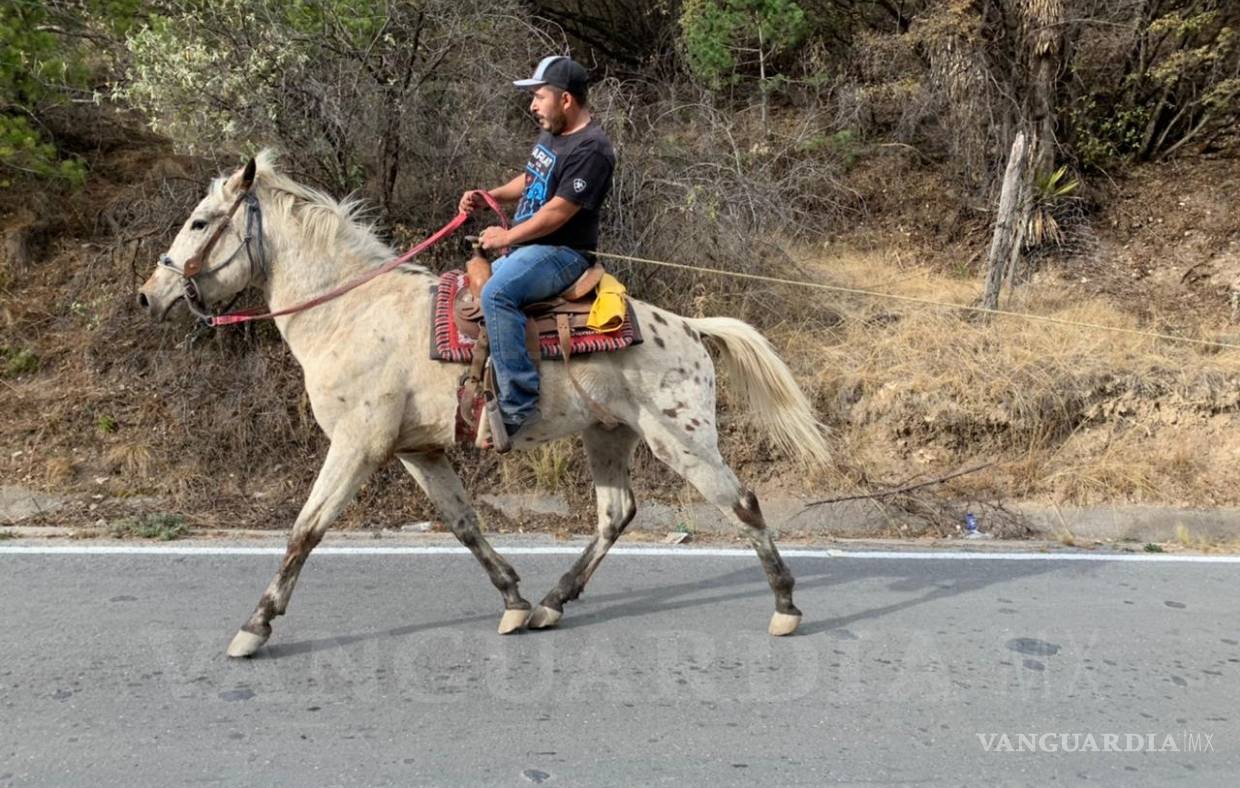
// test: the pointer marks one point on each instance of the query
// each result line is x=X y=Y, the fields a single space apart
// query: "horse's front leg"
x=438 y=479
x=343 y=472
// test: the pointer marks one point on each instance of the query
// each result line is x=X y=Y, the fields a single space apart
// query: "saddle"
x=555 y=328
x=570 y=309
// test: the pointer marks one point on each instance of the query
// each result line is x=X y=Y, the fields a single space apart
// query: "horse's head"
x=217 y=254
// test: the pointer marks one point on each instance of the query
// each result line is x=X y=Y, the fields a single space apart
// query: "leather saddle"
x=574 y=304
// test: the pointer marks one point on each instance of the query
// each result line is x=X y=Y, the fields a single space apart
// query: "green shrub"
x=18 y=362
x=164 y=527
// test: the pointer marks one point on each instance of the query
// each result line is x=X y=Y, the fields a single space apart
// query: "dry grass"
x=1071 y=415
x=549 y=468
x=57 y=471
x=131 y=459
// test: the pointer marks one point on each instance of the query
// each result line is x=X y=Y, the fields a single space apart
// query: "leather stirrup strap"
x=482 y=350
x=495 y=429
x=532 y=345
x=470 y=399
x=565 y=331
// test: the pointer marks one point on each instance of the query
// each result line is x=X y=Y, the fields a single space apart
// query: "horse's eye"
x=198 y=224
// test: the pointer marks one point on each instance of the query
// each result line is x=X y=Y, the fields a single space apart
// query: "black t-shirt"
x=576 y=167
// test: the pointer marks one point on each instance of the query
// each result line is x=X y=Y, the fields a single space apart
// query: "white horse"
x=376 y=393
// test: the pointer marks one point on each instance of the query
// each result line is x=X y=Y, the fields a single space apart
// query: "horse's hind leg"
x=697 y=459
x=342 y=473
x=610 y=453
x=436 y=476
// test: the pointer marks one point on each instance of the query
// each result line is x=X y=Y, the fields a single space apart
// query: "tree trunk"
x=1044 y=37
x=1009 y=224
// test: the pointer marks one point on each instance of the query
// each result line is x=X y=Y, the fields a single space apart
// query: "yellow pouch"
x=608 y=311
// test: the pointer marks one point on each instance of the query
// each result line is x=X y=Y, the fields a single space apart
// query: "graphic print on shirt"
x=537 y=182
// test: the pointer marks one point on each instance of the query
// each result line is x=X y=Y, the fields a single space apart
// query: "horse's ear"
x=243 y=179
x=247 y=177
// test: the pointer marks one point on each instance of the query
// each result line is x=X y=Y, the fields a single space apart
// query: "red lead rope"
x=246 y=315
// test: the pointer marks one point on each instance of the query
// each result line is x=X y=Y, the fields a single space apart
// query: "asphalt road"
x=388 y=671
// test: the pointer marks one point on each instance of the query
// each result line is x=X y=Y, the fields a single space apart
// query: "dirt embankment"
x=119 y=415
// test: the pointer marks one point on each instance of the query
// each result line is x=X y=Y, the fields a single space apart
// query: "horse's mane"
x=325 y=222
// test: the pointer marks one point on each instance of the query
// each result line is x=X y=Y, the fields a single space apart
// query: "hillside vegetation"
x=856 y=144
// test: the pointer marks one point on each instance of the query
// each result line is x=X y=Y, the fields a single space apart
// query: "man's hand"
x=508 y=193
x=470 y=202
x=494 y=238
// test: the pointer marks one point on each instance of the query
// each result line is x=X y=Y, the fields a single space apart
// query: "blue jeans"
x=526 y=275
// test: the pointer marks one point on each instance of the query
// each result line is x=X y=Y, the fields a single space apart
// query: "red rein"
x=246 y=315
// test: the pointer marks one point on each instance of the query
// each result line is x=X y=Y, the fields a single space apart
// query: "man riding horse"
x=361 y=341
x=555 y=226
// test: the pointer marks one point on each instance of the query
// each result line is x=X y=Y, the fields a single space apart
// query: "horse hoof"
x=513 y=620
x=544 y=617
x=244 y=644
x=783 y=624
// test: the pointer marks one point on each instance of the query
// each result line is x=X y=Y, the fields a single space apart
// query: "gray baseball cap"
x=560 y=72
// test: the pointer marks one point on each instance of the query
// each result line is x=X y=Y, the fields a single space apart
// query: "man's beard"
x=554 y=125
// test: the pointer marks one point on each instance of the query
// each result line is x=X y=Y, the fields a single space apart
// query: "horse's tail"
x=776 y=401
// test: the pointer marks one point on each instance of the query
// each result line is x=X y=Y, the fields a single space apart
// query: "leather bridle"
x=251 y=242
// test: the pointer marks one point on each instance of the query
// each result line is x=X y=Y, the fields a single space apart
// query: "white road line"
x=681 y=552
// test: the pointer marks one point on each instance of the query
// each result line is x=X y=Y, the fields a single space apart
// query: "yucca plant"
x=1049 y=193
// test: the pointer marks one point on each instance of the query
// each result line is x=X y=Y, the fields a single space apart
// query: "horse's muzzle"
x=156 y=303
x=158 y=294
